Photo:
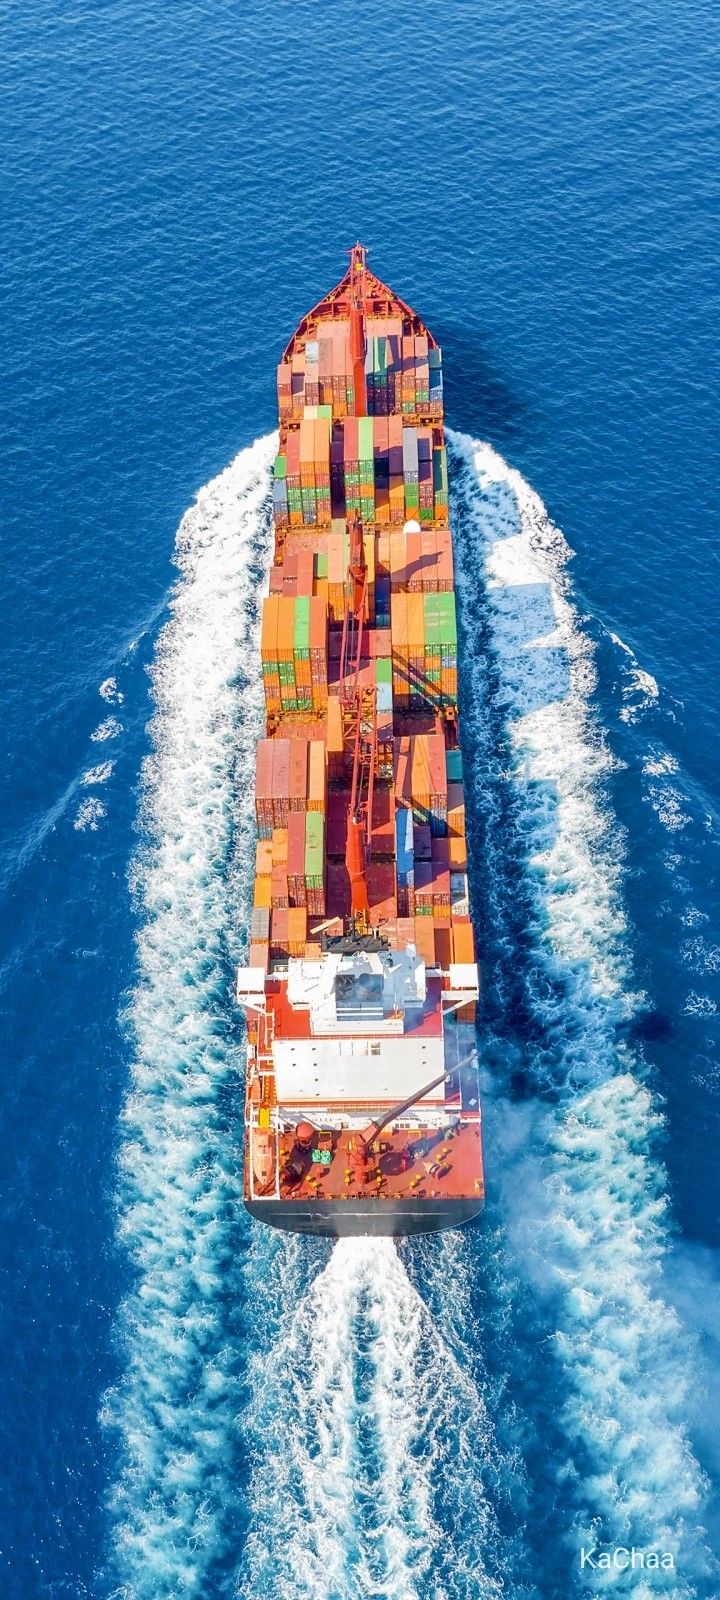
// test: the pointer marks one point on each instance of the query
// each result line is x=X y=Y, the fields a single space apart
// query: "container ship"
x=362 y=1110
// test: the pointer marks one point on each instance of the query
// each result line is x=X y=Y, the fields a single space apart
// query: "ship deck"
x=418 y=1163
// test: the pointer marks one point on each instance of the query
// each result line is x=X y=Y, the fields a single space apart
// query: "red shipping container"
x=424 y=887
x=305 y=572
x=337 y=901
x=338 y=806
x=403 y=769
x=443 y=946
x=438 y=768
x=382 y=837
x=298 y=775
x=279 y=887
x=296 y=858
x=440 y=852
x=290 y=569
x=279 y=931
x=280 y=781
x=380 y=878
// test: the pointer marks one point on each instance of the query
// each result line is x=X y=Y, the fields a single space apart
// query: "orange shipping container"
x=297 y=788
x=425 y=939
x=463 y=941
x=259 y=956
x=316 y=776
x=268 y=636
x=263 y=857
x=334 y=737
x=457 y=852
x=262 y=896
x=297 y=930
x=279 y=845
x=285 y=627
x=455 y=810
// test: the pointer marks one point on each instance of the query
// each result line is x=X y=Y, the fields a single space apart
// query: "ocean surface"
x=193 y=1407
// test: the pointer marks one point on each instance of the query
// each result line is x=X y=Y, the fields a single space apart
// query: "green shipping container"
x=321 y=564
x=365 y=438
x=301 y=633
x=281 y=466
x=448 y=621
x=314 y=843
x=383 y=669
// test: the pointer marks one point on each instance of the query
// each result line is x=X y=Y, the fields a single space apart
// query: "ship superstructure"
x=362 y=1105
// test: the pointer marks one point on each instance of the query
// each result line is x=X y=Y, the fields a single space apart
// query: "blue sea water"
x=191 y=1407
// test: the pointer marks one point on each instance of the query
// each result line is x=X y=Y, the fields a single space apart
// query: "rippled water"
x=193 y=1407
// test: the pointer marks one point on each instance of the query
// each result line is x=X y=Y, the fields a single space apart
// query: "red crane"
x=357 y=327
x=360 y=709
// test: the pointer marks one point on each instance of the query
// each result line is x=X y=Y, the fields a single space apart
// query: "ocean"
x=193 y=1406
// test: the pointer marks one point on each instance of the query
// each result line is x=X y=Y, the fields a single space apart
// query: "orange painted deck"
x=420 y=1163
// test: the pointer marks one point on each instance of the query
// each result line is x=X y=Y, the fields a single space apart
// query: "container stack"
x=284 y=389
x=290 y=804
x=425 y=473
x=314 y=866
x=410 y=458
x=366 y=467
x=440 y=483
x=424 y=649
x=280 y=497
x=402 y=373
x=371 y=465
x=293 y=649
x=429 y=781
x=390 y=468
x=435 y=379
x=457 y=842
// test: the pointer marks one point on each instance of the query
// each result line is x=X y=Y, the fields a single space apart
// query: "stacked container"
x=293 y=648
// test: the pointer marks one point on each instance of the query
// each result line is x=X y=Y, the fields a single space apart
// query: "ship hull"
x=351 y=1219
x=361 y=986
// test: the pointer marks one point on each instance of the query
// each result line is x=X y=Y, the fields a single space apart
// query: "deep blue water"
x=180 y=183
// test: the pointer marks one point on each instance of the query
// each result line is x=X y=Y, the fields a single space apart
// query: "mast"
x=357 y=327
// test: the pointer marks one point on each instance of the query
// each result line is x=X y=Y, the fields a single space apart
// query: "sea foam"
x=593 y=1236
x=179 y=1200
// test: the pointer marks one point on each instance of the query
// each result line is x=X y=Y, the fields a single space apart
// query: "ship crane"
x=360 y=713
x=357 y=327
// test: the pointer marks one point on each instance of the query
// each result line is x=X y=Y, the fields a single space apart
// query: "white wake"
x=180 y=1192
x=360 y=1412
x=585 y=1195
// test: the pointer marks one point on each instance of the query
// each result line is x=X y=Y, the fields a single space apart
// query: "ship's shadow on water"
x=476 y=389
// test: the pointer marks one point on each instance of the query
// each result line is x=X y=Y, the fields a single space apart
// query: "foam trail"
x=359 y=1409
x=180 y=1194
x=587 y=1220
